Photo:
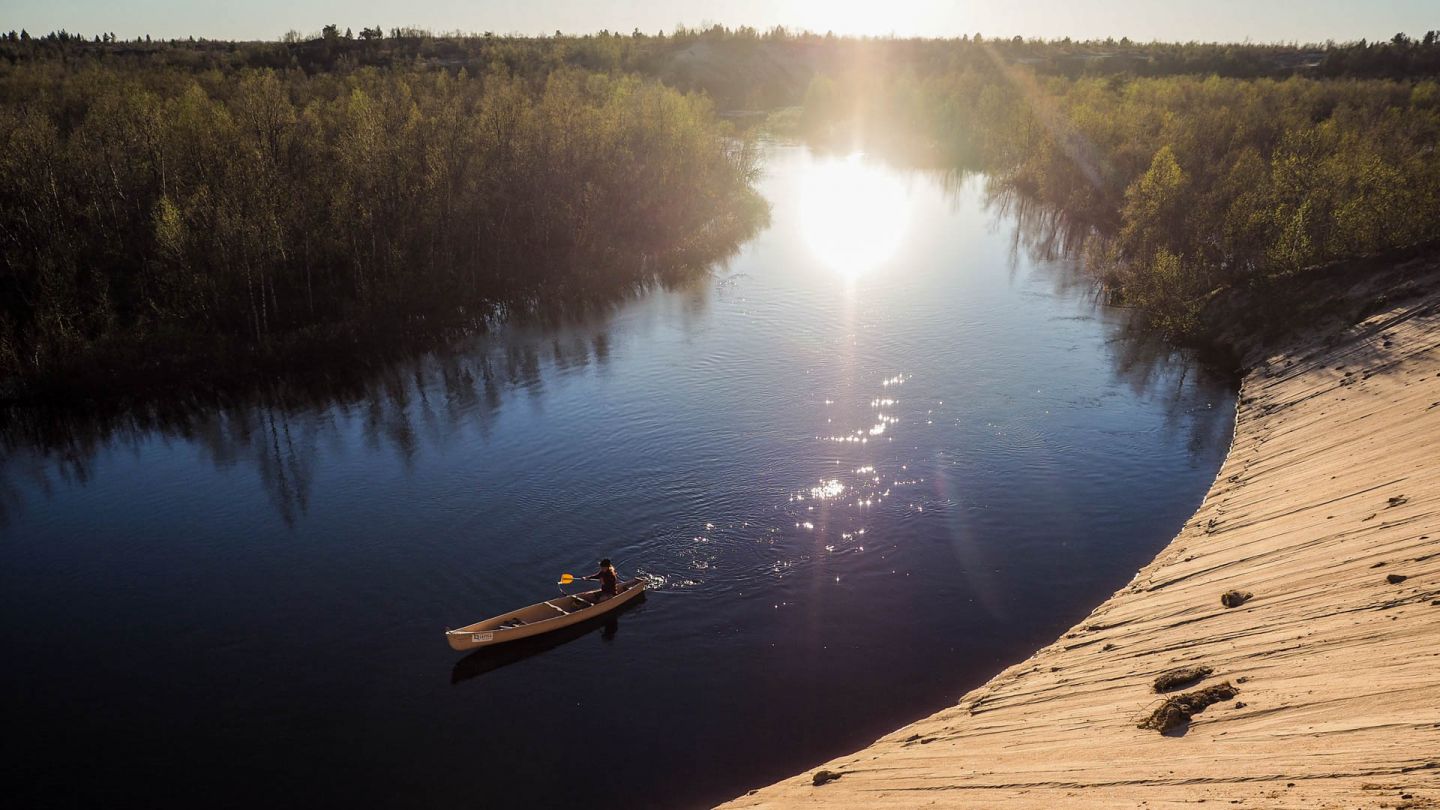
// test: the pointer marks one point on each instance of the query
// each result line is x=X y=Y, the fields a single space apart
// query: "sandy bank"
x=1331 y=490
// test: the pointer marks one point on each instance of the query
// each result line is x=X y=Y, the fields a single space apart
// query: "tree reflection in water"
x=1053 y=242
x=281 y=429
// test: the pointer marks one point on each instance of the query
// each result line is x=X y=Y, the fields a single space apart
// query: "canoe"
x=544 y=617
x=485 y=660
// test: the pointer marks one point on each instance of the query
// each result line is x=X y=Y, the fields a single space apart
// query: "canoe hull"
x=542 y=617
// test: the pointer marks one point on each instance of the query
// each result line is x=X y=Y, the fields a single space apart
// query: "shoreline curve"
x=1327 y=510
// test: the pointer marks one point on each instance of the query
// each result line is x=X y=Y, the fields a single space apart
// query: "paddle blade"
x=566 y=579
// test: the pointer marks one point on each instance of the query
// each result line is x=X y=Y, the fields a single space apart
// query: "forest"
x=164 y=202
x=1173 y=188
x=152 y=215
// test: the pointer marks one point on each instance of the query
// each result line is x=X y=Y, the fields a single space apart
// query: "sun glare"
x=853 y=214
x=851 y=17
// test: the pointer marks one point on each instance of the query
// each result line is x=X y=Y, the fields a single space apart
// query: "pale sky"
x=1144 y=20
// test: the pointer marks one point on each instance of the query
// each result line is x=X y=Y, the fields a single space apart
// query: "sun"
x=853 y=214
x=849 y=17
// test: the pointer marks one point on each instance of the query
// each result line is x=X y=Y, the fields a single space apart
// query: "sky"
x=1142 y=20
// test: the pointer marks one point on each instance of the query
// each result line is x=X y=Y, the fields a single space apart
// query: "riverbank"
x=1326 y=511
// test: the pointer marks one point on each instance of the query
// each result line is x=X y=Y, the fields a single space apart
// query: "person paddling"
x=609 y=580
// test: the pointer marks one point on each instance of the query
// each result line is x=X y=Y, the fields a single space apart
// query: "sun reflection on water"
x=853 y=214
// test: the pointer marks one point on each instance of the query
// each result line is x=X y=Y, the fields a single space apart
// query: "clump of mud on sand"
x=1180 y=708
x=1180 y=678
x=1232 y=599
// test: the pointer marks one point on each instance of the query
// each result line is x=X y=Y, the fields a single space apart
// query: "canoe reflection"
x=489 y=659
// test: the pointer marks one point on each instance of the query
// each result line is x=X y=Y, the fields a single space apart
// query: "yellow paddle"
x=566 y=579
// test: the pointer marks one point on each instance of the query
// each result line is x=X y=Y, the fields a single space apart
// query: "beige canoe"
x=562 y=611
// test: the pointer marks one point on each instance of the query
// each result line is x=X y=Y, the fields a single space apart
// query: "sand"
x=1330 y=492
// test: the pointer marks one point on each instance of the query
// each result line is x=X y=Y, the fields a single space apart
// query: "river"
x=886 y=450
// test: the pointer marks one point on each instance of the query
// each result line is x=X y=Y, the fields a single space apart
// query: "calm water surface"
x=880 y=455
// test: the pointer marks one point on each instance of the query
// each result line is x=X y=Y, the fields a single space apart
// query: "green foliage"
x=247 y=195
x=250 y=209
x=1192 y=184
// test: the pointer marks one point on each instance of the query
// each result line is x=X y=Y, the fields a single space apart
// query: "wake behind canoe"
x=542 y=617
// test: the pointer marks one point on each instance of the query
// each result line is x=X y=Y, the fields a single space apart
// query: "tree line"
x=1174 y=188
x=241 y=199
x=149 y=214
x=740 y=67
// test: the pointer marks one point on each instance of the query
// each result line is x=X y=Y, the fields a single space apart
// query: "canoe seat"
x=513 y=622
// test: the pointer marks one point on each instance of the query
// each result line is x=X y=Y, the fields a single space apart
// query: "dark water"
x=858 y=492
